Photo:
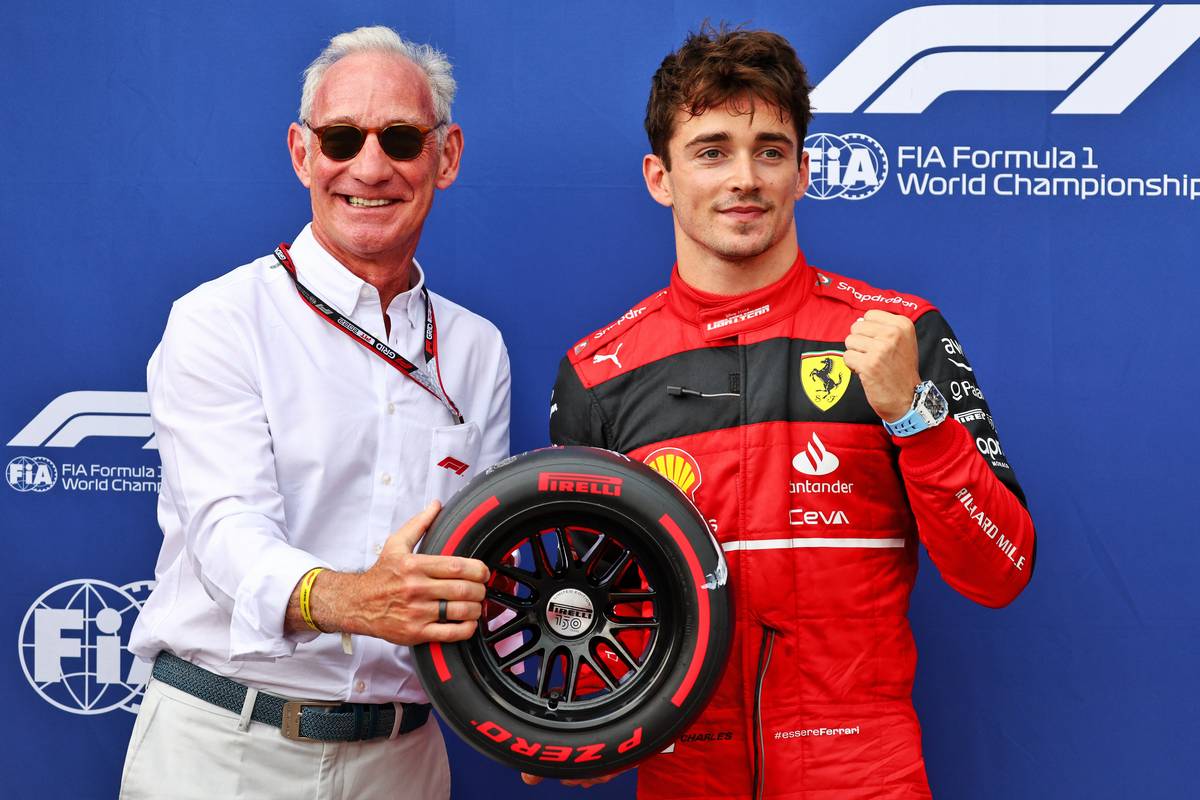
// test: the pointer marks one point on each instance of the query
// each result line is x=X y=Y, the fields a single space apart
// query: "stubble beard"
x=736 y=246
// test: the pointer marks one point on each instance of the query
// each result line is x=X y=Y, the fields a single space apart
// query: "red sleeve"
x=976 y=530
x=970 y=510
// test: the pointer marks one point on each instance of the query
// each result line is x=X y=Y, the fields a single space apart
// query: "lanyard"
x=429 y=379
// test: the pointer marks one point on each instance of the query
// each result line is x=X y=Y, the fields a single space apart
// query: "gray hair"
x=379 y=38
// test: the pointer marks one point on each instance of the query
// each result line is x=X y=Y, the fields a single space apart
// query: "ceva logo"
x=1106 y=55
x=72 y=417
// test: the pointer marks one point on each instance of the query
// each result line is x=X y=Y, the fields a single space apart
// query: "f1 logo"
x=72 y=417
x=454 y=465
x=1121 y=49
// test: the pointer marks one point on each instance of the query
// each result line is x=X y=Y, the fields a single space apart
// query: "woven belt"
x=314 y=720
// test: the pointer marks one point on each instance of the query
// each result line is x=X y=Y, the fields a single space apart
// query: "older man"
x=305 y=406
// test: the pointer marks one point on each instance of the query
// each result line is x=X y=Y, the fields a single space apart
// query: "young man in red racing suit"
x=765 y=381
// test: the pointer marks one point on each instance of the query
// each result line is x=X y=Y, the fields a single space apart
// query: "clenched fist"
x=882 y=350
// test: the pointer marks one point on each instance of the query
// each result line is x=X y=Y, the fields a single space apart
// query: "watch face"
x=934 y=403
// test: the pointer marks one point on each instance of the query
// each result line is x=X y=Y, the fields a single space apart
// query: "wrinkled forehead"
x=372 y=89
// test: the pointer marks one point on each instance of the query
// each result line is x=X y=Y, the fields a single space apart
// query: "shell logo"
x=677 y=466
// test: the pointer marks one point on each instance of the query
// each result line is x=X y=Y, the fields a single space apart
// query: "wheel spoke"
x=617 y=646
x=592 y=557
x=618 y=623
x=601 y=670
x=509 y=600
x=564 y=550
x=570 y=675
x=517 y=623
x=546 y=671
x=517 y=574
x=521 y=653
x=618 y=566
x=541 y=559
x=632 y=596
x=572 y=685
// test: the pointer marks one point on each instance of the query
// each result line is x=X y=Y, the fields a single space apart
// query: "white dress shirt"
x=287 y=445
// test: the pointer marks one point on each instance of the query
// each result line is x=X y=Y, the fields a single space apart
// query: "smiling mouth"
x=744 y=214
x=363 y=202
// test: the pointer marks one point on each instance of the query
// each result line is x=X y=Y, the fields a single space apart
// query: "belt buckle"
x=293 y=710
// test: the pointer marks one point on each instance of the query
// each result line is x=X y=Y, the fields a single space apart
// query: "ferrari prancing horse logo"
x=825 y=377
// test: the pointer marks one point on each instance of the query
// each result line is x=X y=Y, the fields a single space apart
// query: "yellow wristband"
x=306 y=584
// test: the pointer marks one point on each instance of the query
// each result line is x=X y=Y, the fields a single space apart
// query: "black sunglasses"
x=402 y=141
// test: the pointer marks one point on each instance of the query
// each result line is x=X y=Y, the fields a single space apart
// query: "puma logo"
x=596 y=359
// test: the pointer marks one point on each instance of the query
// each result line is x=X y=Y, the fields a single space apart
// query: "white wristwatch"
x=928 y=409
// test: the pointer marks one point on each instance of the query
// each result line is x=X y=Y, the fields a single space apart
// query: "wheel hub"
x=569 y=613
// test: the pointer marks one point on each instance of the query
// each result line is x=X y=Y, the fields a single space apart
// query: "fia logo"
x=73 y=646
x=852 y=166
x=31 y=474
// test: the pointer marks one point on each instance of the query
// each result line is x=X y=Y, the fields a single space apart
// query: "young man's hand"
x=882 y=350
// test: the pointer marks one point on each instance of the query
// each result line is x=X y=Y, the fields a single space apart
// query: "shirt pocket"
x=453 y=456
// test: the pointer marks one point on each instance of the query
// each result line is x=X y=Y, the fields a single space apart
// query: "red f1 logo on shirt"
x=454 y=465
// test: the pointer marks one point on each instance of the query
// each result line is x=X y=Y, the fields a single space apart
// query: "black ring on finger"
x=442 y=618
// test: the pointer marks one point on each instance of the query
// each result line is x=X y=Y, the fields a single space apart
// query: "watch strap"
x=919 y=417
x=910 y=423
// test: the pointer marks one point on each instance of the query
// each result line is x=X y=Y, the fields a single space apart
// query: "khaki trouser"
x=185 y=748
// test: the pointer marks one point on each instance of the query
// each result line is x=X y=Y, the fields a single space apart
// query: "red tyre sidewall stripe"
x=701 y=648
x=477 y=513
x=468 y=523
x=439 y=661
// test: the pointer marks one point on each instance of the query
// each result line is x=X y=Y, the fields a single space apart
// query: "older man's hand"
x=397 y=599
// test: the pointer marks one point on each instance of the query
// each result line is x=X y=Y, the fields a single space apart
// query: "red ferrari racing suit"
x=746 y=403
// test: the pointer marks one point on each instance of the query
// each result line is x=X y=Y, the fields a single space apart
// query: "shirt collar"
x=413 y=301
x=722 y=316
x=329 y=280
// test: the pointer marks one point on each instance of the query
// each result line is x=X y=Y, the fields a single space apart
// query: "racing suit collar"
x=723 y=316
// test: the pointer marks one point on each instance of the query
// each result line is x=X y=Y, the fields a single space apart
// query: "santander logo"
x=815 y=458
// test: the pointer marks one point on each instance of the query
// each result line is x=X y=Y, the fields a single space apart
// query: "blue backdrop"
x=143 y=152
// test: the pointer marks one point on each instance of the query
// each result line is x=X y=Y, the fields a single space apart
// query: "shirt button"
x=386 y=479
x=360 y=686
x=378 y=549
x=391 y=408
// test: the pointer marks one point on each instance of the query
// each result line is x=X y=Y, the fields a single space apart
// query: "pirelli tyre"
x=607 y=619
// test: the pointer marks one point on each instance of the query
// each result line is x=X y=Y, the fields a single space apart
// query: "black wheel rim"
x=585 y=626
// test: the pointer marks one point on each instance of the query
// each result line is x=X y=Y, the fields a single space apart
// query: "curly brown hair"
x=715 y=66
